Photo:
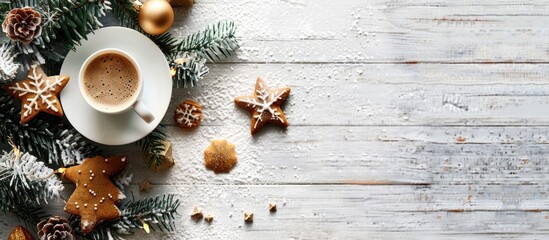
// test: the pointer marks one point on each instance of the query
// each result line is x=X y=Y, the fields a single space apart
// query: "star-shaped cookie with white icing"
x=38 y=93
x=265 y=105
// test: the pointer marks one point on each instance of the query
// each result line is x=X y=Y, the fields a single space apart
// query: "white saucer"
x=157 y=88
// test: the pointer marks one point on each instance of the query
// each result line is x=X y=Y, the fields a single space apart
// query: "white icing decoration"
x=187 y=115
x=41 y=88
x=121 y=195
x=265 y=102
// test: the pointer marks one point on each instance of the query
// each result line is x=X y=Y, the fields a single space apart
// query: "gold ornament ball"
x=156 y=16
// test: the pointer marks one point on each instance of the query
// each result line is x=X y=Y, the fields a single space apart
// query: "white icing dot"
x=123 y=159
x=104 y=171
x=85 y=205
x=77 y=207
x=95 y=208
x=91 y=171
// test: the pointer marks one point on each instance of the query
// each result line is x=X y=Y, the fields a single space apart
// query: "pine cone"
x=22 y=24
x=55 y=228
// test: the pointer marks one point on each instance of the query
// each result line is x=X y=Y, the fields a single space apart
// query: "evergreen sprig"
x=29 y=215
x=189 y=69
x=186 y=56
x=46 y=137
x=216 y=42
x=8 y=65
x=5 y=7
x=153 y=145
x=158 y=213
x=25 y=183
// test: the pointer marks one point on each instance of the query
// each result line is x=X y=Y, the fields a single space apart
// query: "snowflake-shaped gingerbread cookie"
x=265 y=105
x=188 y=114
x=38 y=93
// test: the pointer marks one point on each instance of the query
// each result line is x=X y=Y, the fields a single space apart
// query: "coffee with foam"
x=111 y=81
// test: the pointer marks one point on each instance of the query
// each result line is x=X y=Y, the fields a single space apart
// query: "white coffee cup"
x=132 y=103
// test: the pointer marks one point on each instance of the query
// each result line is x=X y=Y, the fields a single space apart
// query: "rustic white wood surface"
x=409 y=119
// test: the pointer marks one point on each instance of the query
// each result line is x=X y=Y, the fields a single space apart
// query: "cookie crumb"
x=196 y=214
x=272 y=207
x=249 y=217
x=209 y=218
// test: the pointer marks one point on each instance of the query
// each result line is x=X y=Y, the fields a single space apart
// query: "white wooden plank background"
x=409 y=119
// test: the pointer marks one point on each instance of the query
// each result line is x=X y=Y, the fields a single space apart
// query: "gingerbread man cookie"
x=38 y=93
x=95 y=197
x=265 y=105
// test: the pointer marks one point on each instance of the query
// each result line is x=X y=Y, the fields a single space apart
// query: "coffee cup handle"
x=143 y=111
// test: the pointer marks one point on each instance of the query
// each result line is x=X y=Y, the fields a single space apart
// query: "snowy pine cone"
x=55 y=228
x=22 y=24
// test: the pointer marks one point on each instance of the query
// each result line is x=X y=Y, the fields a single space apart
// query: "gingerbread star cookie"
x=95 y=197
x=38 y=93
x=265 y=105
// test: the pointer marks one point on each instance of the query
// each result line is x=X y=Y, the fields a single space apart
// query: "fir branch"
x=123 y=179
x=4 y=8
x=153 y=145
x=158 y=213
x=189 y=69
x=46 y=137
x=8 y=66
x=22 y=173
x=215 y=43
x=29 y=215
x=25 y=183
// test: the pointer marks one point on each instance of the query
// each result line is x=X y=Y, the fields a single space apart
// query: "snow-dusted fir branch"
x=188 y=69
x=26 y=181
x=47 y=137
x=216 y=42
x=8 y=64
x=157 y=213
x=123 y=179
